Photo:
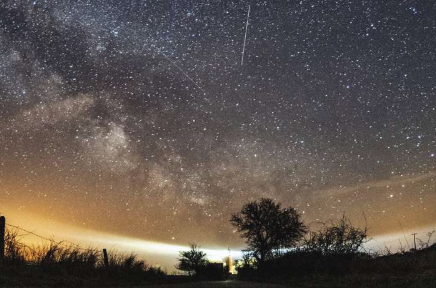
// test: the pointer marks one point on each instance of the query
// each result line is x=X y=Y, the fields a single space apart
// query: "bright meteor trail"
x=245 y=36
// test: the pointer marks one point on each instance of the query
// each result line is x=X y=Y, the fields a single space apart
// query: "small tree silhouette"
x=268 y=227
x=192 y=260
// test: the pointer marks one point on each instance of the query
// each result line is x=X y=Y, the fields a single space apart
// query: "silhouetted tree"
x=192 y=260
x=268 y=227
x=339 y=238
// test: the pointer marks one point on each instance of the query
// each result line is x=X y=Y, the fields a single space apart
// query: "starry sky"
x=136 y=118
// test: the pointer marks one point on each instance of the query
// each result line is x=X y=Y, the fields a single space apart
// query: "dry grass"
x=59 y=264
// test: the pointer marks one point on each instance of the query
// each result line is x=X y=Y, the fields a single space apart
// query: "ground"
x=220 y=284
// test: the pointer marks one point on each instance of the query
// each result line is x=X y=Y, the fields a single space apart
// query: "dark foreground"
x=421 y=281
x=56 y=266
x=390 y=282
x=220 y=284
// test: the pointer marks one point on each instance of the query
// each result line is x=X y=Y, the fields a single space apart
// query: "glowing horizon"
x=165 y=254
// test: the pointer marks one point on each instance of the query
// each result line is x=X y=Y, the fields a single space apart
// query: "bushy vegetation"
x=338 y=238
x=195 y=263
x=192 y=260
x=58 y=264
x=334 y=256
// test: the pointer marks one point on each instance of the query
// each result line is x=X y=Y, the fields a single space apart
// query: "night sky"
x=137 y=118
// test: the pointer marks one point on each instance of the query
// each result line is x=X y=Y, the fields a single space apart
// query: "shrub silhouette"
x=192 y=261
x=339 y=238
x=268 y=227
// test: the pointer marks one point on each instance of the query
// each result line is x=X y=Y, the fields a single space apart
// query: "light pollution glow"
x=158 y=254
x=165 y=254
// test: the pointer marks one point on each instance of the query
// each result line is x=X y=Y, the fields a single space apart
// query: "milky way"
x=137 y=117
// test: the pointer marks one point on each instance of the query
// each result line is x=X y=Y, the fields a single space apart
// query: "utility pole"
x=414 y=239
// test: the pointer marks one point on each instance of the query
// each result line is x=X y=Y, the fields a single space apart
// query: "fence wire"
x=64 y=243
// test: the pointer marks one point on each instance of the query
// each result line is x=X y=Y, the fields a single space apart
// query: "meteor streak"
x=181 y=70
x=245 y=37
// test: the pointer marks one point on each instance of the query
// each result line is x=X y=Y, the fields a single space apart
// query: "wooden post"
x=106 y=259
x=414 y=239
x=2 y=237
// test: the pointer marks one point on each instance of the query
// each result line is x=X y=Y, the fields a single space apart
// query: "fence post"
x=2 y=237
x=414 y=239
x=106 y=259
